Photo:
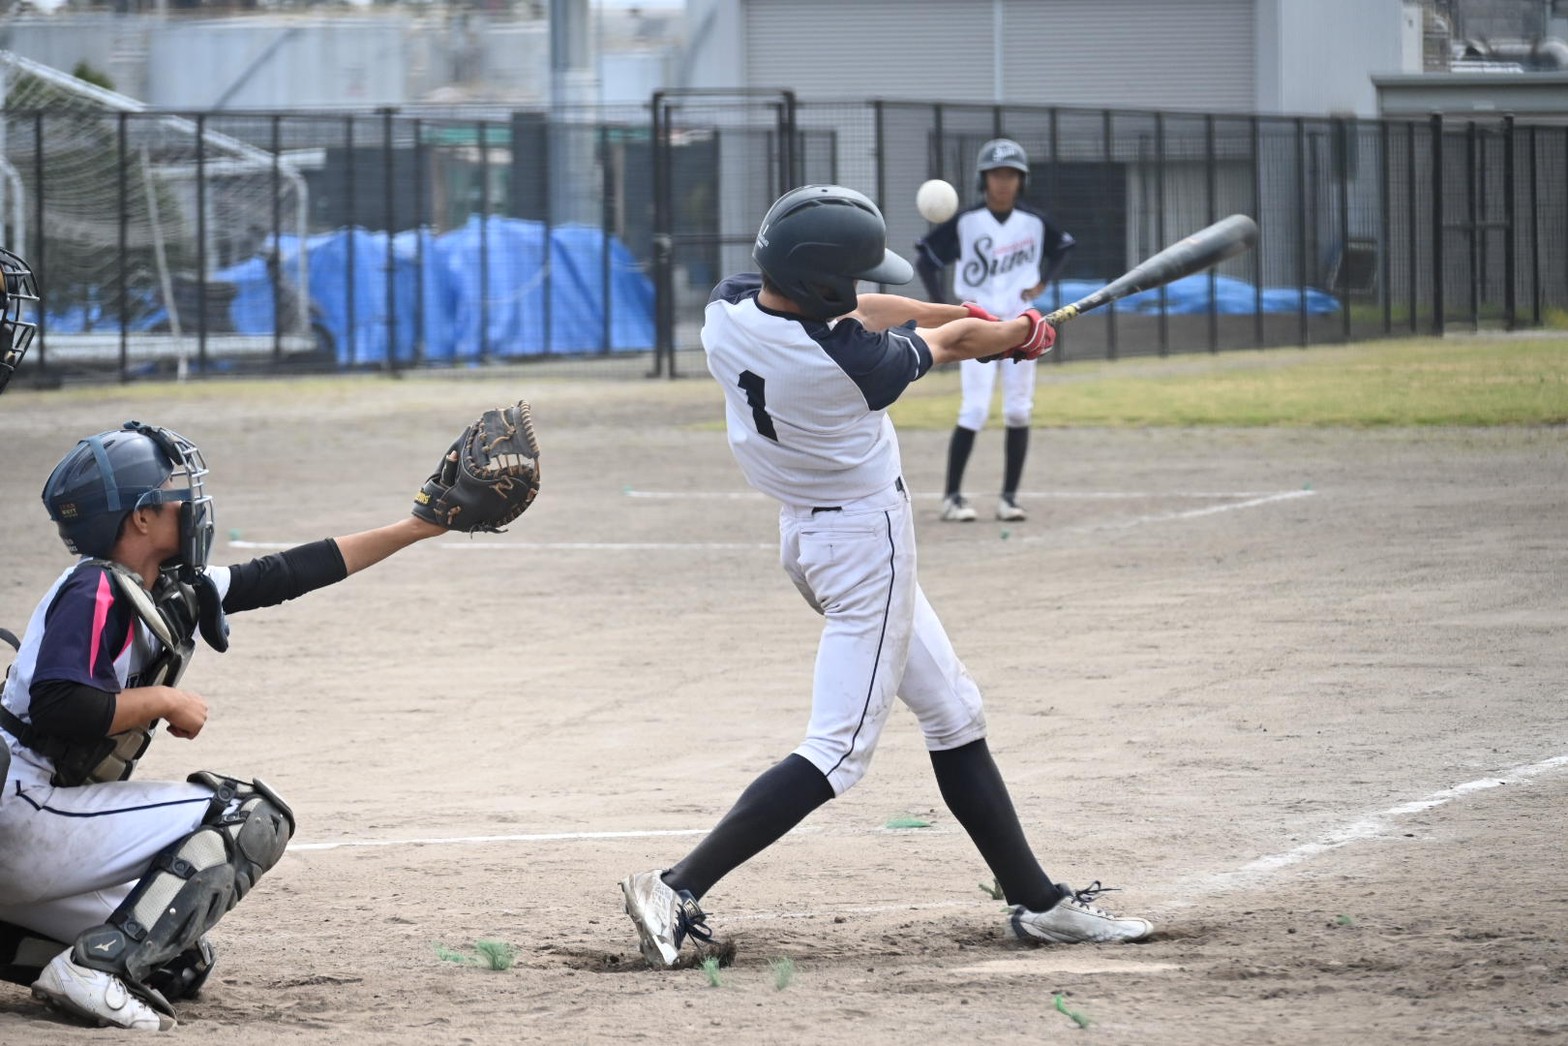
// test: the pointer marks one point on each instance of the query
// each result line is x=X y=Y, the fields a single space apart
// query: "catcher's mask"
x=108 y=476
x=998 y=153
x=18 y=313
x=818 y=241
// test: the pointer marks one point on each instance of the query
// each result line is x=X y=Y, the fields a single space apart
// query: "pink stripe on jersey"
x=104 y=601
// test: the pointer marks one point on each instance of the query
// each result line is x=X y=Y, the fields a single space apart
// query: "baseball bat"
x=1226 y=238
x=1208 y=246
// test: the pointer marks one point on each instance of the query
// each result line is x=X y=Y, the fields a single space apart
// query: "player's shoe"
x=1009 y=511
x=956 y=510
x=1074 y=920
x=664 y=917
x=95 y=996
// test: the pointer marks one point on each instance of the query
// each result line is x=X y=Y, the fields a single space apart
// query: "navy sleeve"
x=734 y=288
x=940 y=246
x=285 y=575
x=1054 y=254
x=881 y=363
x=85 y=629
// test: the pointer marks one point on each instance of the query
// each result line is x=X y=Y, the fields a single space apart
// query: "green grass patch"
x=1465 y=381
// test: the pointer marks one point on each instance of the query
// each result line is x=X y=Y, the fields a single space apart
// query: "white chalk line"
x=1371 y=826
x=1254 y=499
x=1251 y=875
x=1067 y=495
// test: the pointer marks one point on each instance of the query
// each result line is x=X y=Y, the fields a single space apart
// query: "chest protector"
x=171 y=612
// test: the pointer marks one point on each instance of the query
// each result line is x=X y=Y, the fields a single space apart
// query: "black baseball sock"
x=1013 y=455
x=958 y=458
x=973 y=789
x=769 y=807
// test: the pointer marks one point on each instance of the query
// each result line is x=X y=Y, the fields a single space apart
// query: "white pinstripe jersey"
x=806 y=401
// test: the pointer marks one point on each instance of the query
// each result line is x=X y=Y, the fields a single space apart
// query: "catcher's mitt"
x=488 y=477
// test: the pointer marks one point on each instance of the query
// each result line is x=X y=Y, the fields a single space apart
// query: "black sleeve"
x=931 y=276
x=1058 y=245
x=74 y=711
x=270 y=580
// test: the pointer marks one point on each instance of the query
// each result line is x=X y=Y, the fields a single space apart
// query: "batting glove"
x=1037 y=342
x=978 y=312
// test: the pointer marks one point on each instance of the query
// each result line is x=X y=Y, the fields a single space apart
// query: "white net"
x=134 y=218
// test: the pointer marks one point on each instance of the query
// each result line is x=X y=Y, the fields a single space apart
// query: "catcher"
x=108 y=886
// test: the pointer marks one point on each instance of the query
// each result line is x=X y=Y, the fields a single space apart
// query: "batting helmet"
x=818 y=241
x=108 y=476
x=18 y=313
x=1001 y=152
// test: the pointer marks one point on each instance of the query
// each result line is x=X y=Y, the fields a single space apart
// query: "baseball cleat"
x=95 y=996
x=956 y=510
x=1074 y=920
x=1009 y=511
x=664 y=917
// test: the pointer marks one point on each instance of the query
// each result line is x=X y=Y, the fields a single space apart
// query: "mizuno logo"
x=105 y=946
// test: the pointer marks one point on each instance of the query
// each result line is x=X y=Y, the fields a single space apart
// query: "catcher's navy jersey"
x=993 y=261
x=84 y=632
x=806 y=401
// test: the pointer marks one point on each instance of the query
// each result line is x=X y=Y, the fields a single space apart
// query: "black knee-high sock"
x=770 y=806
x=1016 y=450
x=973 y=789
x=958 y=458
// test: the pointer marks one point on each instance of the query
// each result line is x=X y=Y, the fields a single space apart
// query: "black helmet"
x=18 y=313
x=1001 y=152
x=817 y=241
x=108 y=476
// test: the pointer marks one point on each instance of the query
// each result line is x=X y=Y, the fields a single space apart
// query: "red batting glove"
x=1037 y=342
x=978 y=312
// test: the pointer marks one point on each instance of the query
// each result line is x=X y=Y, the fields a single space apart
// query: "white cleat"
x=664 y=918
x=95 y=996
x=1009 y=511
x=1073 y=920
x=956 y=510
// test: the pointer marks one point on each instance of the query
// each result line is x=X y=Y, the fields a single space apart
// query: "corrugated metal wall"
x=1196 y=54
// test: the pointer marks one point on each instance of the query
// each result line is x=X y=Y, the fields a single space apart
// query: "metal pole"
x=1535 y=234
x=1106 y=118
x=275 y=256
x=121 y=280
x=1159 y=223
x=1257 y=252
x=606 y=223
x=1211 y=191
x=389 y=173
x=1473 y=218
x=552 y=129
x=1436 y=125
x=40 y=262
x=421 y=219
x=1510 y=236
x=878 y=136
x=663 y=313
x=351 y=206
x=1060 y=355
x=1385 y=227
x=1347 y=128
x=484 y=241
x=1301 y=229
x=1412 y=223
x=201 y=241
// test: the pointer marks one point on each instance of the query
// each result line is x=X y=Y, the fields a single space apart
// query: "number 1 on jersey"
x=757 y=400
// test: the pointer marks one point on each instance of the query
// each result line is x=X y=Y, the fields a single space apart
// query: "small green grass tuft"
x=908 y=821
x=446 y=954
x=1077 y=1018
x=498 y=955
x=783 y=971
x=710 y=970
x=994 y=891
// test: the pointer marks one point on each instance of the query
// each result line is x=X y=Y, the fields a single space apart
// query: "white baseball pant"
x=855 y=565
x=979 y=380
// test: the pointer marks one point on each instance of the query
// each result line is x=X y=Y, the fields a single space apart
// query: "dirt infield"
x=1299 y=694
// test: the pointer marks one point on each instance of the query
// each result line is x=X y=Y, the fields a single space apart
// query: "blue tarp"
x=514 y=309
x=1189 y=296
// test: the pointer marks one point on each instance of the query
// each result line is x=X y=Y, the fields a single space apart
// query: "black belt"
x=898 y=485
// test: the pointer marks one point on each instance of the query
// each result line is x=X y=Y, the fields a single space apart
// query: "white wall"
x=1317 y=57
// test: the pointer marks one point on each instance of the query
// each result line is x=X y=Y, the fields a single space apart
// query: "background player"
x=808 y=370
x=133 y=874
x=1003 y=255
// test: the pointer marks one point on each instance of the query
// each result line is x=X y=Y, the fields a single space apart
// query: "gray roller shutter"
x=1196 y=54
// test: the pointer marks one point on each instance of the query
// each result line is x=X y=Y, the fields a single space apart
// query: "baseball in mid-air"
x=936 y=200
